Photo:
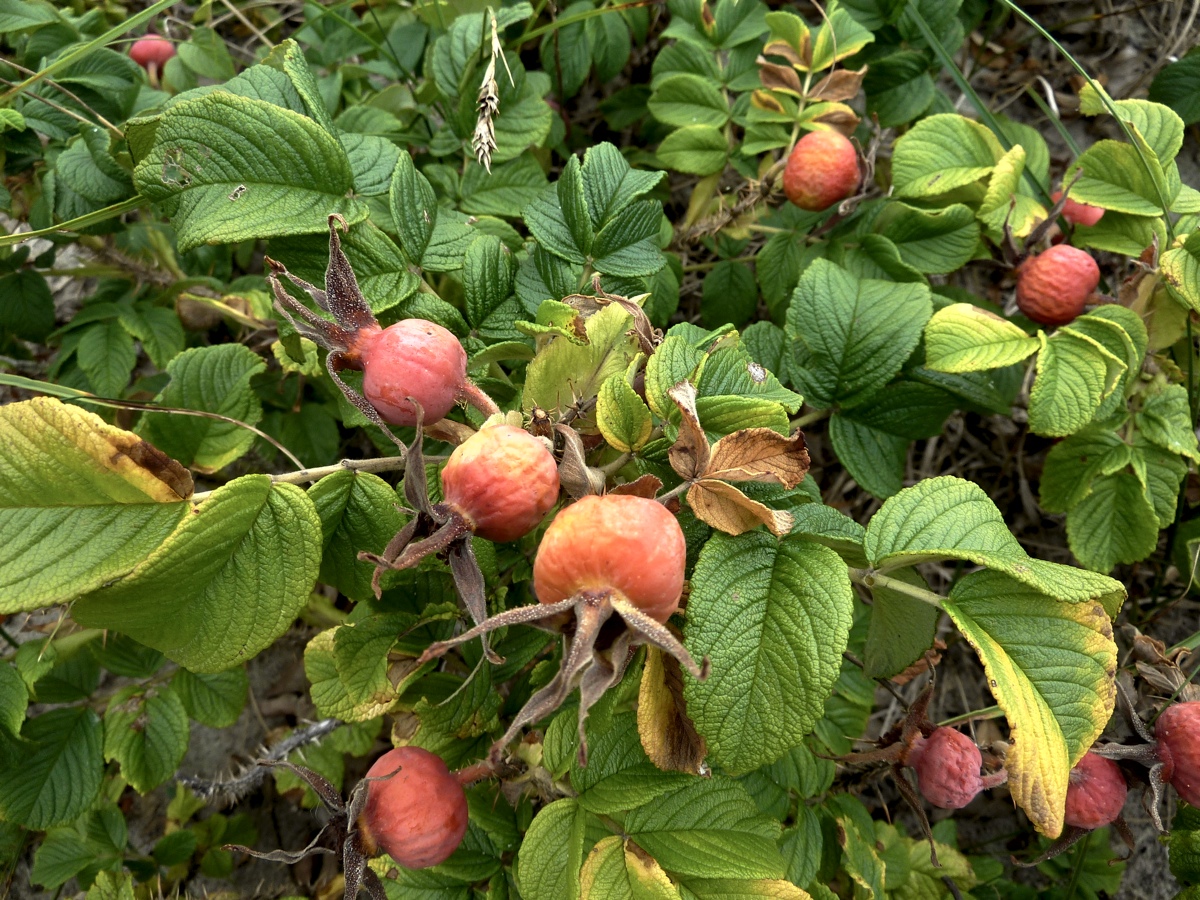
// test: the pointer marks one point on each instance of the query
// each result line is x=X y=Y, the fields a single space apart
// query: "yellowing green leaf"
x=81 y=502
x=1075 y=374
x=622 y=416
x=1051 y=666
x=964 y=338
x=620 y=870
x=229 y=580
x=941 y=153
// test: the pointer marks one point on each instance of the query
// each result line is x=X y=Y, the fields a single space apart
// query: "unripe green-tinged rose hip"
x=628 y=544
x=947 y=764
x=413 y=358
x=503 y=481
x=822 y=170
x=1054 y=286
x=418 y=816
x=1095 y=793
x=1177 y=732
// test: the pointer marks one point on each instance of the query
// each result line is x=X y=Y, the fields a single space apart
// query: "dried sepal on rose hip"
x=604 y=560
x=498 y=484
x=409 y=806
x=412 y=370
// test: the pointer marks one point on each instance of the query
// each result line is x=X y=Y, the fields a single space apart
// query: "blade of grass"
x=1104 y=98
x=92 y=218
x=1054 y=120
x=79 y=53
x=956 y=74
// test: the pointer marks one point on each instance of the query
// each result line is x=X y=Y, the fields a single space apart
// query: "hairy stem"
x=869 y=578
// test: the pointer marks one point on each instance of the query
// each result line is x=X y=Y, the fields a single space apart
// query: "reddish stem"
x=474 y=395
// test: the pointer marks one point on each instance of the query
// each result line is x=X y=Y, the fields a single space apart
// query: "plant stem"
x=382 y=464
x=988 y=712
x=869 y=578
x=811 y=418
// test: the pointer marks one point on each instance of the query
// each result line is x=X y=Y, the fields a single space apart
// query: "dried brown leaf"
x=689 y=454
x=843 y=84
x=727 y=509
x=779 y=78
x=760 y=454
x=647 y=486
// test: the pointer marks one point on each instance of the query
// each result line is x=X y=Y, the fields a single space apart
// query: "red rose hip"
x=1177 y=731
x=413 y=358
x=1095 y=793
x=1054 y=286
x=947 y=764
x=822 y=170
x=631 y=545
x=151 y=50
x=418 y=816
x=1078 y=213
x=503 y=481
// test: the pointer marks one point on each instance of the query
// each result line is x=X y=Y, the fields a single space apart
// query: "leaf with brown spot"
x=843 y=84
x=765 y=101
x=760 y=454
x=784 y=49
x=727 y=509
x=668 y=735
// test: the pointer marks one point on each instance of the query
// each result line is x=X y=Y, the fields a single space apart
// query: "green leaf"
x=774 y=617
x=329 y=693
x=709 y=828
x=941 y=153
x=111 y=886
x=294 y=172
x=215 y=699
x=1115 y=178
x=1114 y=523
x=730 y=295
x=360 y=653
x=106 y=355
x=963 y=337
x=695 y=150
x=1074 y=375
x=1178 y=86
x=214 y=379
x=1166 y=420
x=1076 y=461
x=626 y=244
x=81 y=502
x=572 y=201
x=59 y=770
x=1050 y=666
x=1157 y=124
x=17 y=15
x=611 y=185
x=951 y=518
x=87 y=177
x=28 y=308
x=1160 y=472
x=934 y=242
x=147 y=733
x=683 y=100
x=902 y=628
x=159 y=330
x=414 y=207
x=852 y=336
x=358 y=512
x=14 y=699
x=558 y=840
x=489 y=272
x=873 y=457
x=372 y=160
x=622 y=416
x=507 y=190
x=619 y=776
x=899 y=88
x=226 y=584
x=525 y=119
